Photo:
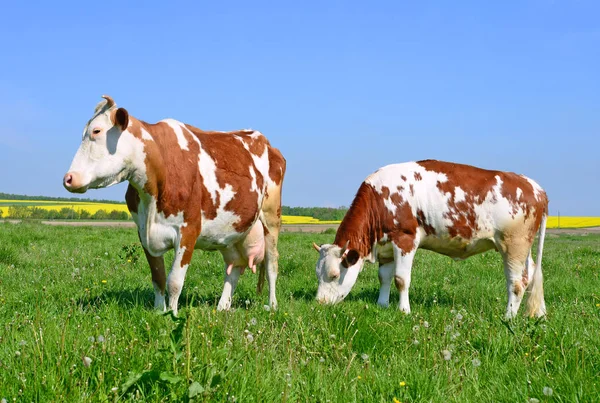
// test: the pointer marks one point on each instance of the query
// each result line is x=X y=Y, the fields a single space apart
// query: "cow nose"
x=72 y=181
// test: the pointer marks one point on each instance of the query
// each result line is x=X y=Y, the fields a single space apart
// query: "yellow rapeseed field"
x=553 y=221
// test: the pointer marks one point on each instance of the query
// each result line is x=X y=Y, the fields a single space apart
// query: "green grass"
x=55 y=310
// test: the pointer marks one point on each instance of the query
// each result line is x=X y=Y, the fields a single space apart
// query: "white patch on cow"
x=253 y=185
x=208 y=170
x=519 y=193
x=146 y=135
x=220 y=231
x=176 y=126
x=459 y=195
x=537 y=189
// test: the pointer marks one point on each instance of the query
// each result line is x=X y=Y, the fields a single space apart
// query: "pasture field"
x=77 y=325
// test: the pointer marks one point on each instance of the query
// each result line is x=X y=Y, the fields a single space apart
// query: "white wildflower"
x=459 y=317
x=476 y=362
x=253 y=322
x=416 y=342
x=447 y=355
x=415 y=328
x=547 y=391
x=250 y=337
x=365 y=357
x=100 y=339
x=87 y=361
x=267 y=308
x=426 y=324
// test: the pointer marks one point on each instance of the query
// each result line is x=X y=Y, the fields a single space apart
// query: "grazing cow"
x=188 y=189
x=453 y=209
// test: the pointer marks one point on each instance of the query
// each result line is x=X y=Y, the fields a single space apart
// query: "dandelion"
x=426 y=325
x=459 y=317
x=103 y=281
x=100 y=339
x=455 y=336
x=534 y=400
x=447 y=355
x=3 y=400
x=91 y=339
x=402 y=384
x=365 y=357
x=547 y=391
x=253 y=322
x=416 y=342
x=267 y=308
x=448 y=328
x=87 y=361
x=332 y=336
x=415 y=328
x=22 y=343
x=17 y=353
x=114 y=390
x=476 y=362
x=322 y=359
x=395 y=400
x=128 y=260
x=250 y=337
x=598 y=305
x=359 y=377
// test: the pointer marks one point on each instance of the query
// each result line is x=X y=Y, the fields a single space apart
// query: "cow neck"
x=361 y=225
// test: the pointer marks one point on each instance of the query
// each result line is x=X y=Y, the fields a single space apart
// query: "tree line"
x=321 y=213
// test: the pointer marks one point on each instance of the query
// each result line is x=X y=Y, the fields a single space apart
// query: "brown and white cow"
x=188 y=189
x=453 y=209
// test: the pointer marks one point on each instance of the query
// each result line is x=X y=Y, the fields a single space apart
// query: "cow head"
x=104 y=155
x=337 y=270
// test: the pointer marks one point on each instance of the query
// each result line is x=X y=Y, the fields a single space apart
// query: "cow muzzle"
x=73 y=183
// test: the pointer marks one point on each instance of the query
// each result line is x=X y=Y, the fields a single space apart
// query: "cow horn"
x=316 y=247
x=345 y=248
x=109 y=101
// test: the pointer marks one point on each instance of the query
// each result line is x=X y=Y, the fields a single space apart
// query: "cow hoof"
x=383 y=304
x=224 y=305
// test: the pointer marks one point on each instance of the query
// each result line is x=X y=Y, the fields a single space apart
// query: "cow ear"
x=351 y=258
x=121 y=118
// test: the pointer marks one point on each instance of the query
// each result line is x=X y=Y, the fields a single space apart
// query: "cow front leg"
x=183 y=257
x=231 y=281
x=159 y=279
x=386 y=273
x=403 y=262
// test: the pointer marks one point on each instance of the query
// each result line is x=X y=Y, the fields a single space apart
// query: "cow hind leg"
x=271 y=220
x=231 y=280
x=157 y=267
x=517 y=275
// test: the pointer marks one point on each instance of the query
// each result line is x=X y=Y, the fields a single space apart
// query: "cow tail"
x=535 y=303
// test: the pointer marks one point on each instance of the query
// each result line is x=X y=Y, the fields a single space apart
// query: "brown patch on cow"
x=368 y=219
x=517 y=288
x=476 y=184
x=403 y=178
x=399 y=281
x=385 y=192
x=418 y=176
x=412 y=189
x=422 y=220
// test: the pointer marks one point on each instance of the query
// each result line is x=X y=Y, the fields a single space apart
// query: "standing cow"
x=188 y=189
x=453 y=209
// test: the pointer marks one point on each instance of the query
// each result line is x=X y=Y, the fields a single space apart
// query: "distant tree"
x=100 y=215
x=118 y=215
x=84 y=214
x=68 y=213
x=37 y=212
x=18 y=212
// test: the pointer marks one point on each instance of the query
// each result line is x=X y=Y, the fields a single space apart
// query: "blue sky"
x=342 y=88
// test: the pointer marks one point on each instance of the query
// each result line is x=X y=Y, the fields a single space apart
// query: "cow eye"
x=96 y=131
